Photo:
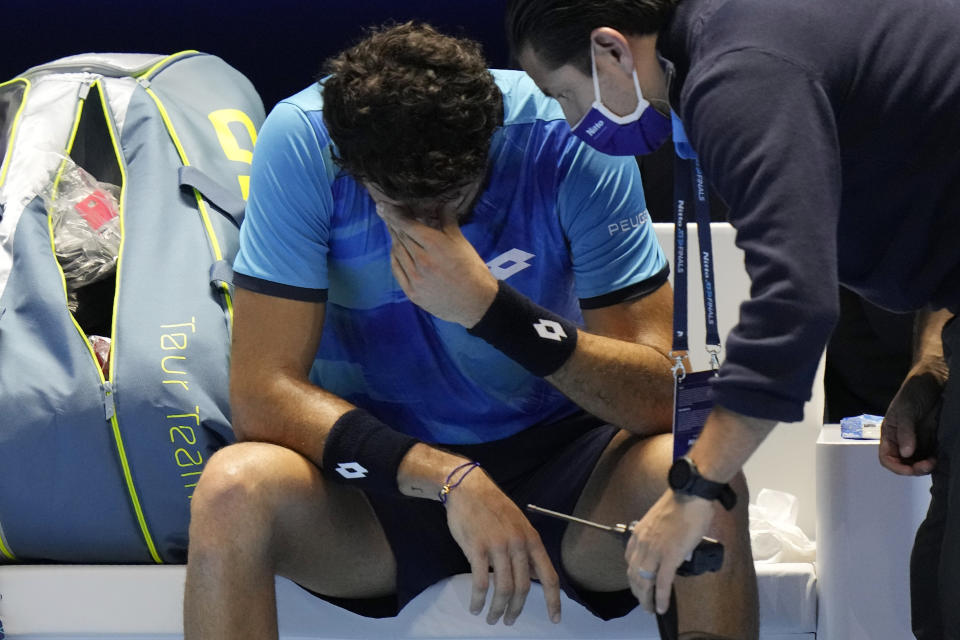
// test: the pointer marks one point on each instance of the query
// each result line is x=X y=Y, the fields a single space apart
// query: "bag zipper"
x=163 y=64
x=93 y=68
x=108 y=387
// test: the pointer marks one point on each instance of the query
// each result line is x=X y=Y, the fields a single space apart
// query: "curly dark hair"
x=411 y=110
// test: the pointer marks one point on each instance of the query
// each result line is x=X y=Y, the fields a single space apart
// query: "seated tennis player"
x=447 y=307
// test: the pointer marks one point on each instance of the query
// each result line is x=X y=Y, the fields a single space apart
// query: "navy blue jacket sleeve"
x=766 y=135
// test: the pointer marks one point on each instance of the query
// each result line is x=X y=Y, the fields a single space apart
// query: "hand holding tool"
x=706 y=556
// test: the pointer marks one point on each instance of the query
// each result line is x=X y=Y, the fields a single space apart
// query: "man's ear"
x=611 y=45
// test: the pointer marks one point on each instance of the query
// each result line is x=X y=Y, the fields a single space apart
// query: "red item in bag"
x=96 y=209
x=101 y=347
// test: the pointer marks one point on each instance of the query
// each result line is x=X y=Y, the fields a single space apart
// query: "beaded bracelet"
x=448 y=487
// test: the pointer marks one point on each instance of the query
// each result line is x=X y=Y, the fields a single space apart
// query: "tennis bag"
x=99 y=464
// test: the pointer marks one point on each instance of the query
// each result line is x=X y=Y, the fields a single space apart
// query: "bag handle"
x=219 y=196
x=221 y=273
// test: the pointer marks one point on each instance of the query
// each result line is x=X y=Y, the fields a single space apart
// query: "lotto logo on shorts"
x=550 y=330
x=351 y=470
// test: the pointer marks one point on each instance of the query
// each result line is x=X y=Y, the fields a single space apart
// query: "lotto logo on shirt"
x=627 y=224
x=509 y=263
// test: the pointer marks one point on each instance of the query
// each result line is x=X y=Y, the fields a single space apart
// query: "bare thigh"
x=273 y=505
x=627 y=479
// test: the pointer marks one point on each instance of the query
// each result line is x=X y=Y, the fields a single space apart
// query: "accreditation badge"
x=691 y=406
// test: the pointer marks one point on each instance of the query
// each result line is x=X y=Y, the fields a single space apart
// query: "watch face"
x=679 y=475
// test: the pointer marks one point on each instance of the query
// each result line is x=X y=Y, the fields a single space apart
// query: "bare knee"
x=235 y=499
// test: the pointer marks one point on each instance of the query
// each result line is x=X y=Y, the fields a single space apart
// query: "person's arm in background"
x=908 y=433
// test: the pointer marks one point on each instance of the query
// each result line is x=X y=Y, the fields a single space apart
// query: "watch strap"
x=710 y=490
x=699 y=486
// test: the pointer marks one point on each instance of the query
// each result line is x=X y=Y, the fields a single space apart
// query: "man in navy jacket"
x=832 y=132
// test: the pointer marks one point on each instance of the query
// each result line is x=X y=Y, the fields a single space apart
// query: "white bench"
x=144 y=602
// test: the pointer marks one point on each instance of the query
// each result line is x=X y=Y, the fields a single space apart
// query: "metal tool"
x=667 y=623
x=706 y=556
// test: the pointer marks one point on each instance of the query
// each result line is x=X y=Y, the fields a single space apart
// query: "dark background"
x=278 y=44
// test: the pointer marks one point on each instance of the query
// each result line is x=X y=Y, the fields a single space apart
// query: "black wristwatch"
x=685 y=478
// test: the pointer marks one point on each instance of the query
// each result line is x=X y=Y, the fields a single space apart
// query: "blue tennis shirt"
x=564 y=225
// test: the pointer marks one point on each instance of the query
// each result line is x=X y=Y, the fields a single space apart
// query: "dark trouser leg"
x=950 y=551
x=935 y=563
x=925 y=564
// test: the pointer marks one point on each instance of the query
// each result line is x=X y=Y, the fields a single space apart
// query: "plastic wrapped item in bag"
x=86 y=226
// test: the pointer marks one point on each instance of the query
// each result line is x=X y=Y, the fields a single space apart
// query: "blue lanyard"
x=689 y=186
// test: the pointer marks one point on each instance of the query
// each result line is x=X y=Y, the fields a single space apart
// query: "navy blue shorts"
x=547 y=465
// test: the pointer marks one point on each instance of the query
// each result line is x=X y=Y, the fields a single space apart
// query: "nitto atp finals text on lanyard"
x=691 y=396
